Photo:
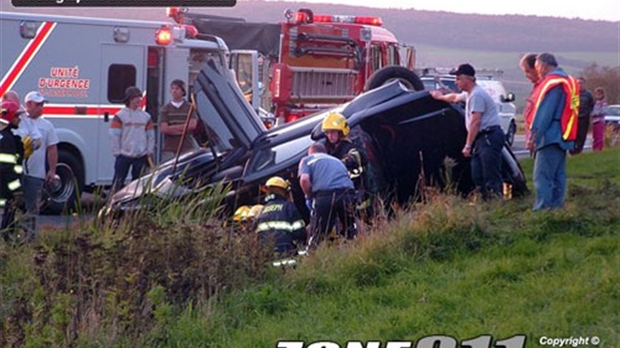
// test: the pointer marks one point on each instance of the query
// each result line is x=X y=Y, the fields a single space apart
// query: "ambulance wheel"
x=390 y=73
x=64 y=194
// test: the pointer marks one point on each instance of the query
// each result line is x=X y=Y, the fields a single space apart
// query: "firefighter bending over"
x=279 y=221
x=11 y=157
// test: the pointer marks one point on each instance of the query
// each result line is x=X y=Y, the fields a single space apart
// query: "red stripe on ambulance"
x=26 y=56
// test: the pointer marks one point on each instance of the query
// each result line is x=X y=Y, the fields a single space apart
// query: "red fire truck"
x=308 y=62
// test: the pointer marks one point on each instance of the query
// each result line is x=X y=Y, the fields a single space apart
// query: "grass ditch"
x=444 y=267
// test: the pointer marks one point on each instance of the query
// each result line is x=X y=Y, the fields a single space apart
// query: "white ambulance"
x=83 y=66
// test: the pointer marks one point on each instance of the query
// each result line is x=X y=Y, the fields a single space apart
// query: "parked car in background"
x=506 y=108
x=505 y=105
x=406 y=137
x=612 y=114
x=612 y=122
x=444 y=83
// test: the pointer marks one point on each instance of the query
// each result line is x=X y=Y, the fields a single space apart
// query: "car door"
x=229 y=119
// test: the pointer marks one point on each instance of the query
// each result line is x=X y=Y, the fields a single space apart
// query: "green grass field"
x=449 y=267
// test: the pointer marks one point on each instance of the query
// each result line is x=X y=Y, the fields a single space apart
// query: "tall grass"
x=448 y=266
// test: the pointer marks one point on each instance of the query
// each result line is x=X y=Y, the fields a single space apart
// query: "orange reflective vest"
x=570 y=111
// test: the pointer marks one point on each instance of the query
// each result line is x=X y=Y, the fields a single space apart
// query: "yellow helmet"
x=255 y=211
x=277 y=181
x=335 y=121
x=241 y=214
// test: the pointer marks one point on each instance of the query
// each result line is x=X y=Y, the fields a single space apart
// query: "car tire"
x=390 y=73
x=510 y=134
x=66 y=195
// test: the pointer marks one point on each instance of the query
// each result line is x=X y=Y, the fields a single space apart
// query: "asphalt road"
x=88 y=199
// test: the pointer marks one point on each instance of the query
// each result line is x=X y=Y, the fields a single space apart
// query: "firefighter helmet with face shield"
x=336 y=121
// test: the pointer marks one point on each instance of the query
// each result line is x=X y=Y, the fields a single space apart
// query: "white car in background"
x=505 y=106
x=612 y=114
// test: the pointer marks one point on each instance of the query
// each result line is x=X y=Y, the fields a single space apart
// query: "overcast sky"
x=593 y=9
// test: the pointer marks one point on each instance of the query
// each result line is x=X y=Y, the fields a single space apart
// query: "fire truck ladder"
x=326 y=38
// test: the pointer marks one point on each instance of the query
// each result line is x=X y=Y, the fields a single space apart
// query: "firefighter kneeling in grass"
x=279 y=221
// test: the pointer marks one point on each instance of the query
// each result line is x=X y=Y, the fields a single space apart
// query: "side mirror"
x=508 y=98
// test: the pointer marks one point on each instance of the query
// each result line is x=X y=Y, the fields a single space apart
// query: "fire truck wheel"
x=63 y=195
x=391 y=73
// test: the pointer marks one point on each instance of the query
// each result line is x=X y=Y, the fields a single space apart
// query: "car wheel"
x=65 y=193
x=510 y=134
x=390 y=73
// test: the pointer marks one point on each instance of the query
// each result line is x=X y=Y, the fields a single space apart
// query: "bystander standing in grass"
x=485 y=138
x=553 y=108
x=527 y=65
x=586 y=105
x=598 y=120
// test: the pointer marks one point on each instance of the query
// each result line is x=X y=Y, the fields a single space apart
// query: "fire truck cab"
x=83 y=66
x=309 y=62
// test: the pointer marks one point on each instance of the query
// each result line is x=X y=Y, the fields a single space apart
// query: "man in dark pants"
x=586 y=105
x=485 y=138
x=11 y=156
x=325 y=180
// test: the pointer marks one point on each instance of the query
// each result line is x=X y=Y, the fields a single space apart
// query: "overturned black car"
x=407 y=137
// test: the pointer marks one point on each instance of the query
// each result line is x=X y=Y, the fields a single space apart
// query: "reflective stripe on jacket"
x=568 y=120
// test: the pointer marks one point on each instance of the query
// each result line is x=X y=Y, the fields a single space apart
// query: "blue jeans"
x=486 y=162
x=33 y=191
x=550 y=177
x=121 y=169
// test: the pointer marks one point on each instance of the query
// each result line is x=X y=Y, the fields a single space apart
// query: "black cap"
x=131 y=92
x=464 y=69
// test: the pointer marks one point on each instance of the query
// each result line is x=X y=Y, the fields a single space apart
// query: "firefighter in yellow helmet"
x=279 y=221
x=243 y=221
x=339 y=145
x=241 y=214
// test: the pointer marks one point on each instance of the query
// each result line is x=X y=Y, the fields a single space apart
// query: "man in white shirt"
x=26 y=125
x=35 y=174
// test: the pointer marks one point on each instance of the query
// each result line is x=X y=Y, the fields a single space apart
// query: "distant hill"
x=442 y=38
x=463 y=31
